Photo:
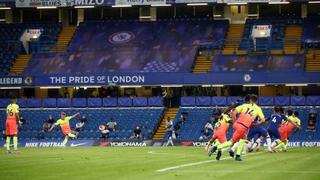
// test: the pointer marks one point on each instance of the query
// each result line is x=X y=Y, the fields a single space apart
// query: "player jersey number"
x=274 y=120
x=249 y=111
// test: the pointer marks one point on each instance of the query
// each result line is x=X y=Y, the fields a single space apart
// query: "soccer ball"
x=102 y=127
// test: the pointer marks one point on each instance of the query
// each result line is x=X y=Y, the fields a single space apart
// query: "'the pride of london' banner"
x=106 y=79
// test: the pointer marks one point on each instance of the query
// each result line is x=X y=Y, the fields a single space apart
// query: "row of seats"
x=132 y=46
x=11 y=45
x=197 y=117
x=263 y=101
x=126 y=119
x=86 y=102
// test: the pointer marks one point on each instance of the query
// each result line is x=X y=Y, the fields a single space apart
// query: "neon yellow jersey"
x=12 y=110
x=295 y=120
x=248 y=113
x=64 y=124
x=225 y=119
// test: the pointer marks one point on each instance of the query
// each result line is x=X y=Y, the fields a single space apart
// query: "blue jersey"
x=275 y=121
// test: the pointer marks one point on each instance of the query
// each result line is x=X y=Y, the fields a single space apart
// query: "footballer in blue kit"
x=275 y=121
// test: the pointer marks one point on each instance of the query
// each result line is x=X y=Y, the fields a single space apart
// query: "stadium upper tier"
x=234 y=63
x=132 y=46
x=11 y=46
x=311 y=32
x=275 y=42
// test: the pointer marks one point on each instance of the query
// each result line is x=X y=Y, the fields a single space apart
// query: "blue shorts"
x=274 y=133
x=261 y=131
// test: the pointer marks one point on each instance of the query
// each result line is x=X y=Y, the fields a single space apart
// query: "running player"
x=248 y=112
x=275 y=122
x=262 y=134
x=12 y=125
x=294 y=123
x=65 y=127
x=220 y=132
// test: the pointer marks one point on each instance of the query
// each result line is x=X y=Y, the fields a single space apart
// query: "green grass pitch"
x=138 y=163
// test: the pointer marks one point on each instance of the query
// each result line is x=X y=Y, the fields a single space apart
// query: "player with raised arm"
x=65 y=127
x=293 y=123
x=248 y=112
x=12 y=125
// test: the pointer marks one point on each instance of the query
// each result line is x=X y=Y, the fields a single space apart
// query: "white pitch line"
x=248 y=171
x=199 y=163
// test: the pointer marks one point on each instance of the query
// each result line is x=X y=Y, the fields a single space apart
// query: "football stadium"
x=159 y=89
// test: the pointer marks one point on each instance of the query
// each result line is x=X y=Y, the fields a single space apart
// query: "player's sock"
x=249 y=145
x=245 y=147
x=280 y=145
x=65 y=141
x=15 y=143
x=285 y=145
x=234 y=147
x=216 y=143
x=269 y=144
x=224 y=145
x=240 y=147
x=258 y=141
x=72 y=135
x=8 y=143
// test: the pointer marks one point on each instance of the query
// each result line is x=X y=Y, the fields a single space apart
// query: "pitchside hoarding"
x=87 y=143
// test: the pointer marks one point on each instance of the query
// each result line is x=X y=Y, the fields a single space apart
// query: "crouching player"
x=12 y=125
x=292 y=123
x=65 y=127
x=220 y=133
x=248 y=112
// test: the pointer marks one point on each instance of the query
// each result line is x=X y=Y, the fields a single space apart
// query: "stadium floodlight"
x=121 y=6
x=10 y=87
x=237 y=3
x=314 y=2
x=217 y=85
x=160 y=5
x=133 y=86
x=197 y=4
x=206 y=85
x=173 y=85
x=5 y=8
x=217 y=15
x=296 y=84
x=279 y=2
x=253 y=85
x=86 y=87
x=83 y=7
x=47 y=7
x=50 y=87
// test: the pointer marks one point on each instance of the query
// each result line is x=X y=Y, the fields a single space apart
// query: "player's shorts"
x=274 y=133
x=240 y=132
x=261 y=131
x=66 y=132
x=283 y=133
x=221 y=136
x=11 y=128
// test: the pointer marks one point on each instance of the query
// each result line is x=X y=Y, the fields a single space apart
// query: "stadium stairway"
x=20 y=64
x=312 y=61
x=161 y=131
x=64 y=38
x=233 y=40
x=202 y=64
x=292 y=44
